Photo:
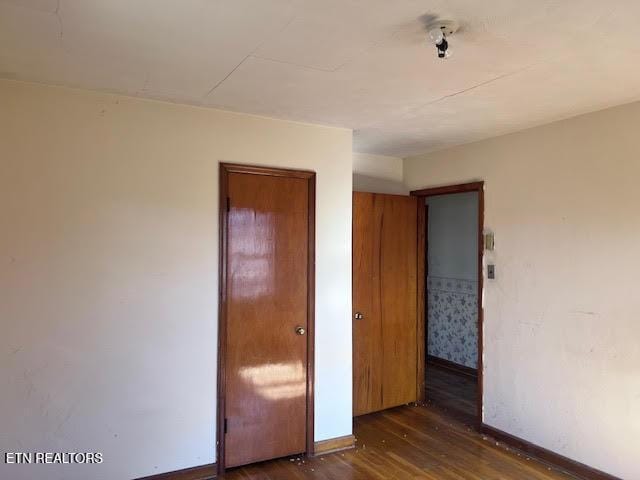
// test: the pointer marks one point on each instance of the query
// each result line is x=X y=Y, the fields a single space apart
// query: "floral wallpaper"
x=452 y=313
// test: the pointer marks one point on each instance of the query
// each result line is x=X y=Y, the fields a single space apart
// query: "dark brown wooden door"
x=266 y=317
x=385 y=269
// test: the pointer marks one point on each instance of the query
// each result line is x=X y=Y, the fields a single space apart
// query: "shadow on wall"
x=365 y=183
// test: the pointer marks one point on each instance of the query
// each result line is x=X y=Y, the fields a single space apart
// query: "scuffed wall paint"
x=108 y=275
x=561 y=350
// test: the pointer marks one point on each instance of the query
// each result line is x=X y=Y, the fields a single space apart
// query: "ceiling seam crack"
x=143 y=90
x=60 y=25
x=250 y=54
x=481 y=84
x=293 y=64
x=225 y=77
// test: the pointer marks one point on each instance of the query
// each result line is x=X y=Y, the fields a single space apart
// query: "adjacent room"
x=452 y=269
x=298 y=240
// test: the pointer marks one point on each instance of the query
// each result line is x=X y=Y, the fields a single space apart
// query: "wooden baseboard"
x=454 y=367
x=203 y=472
x=334 y=445
x=571 y=467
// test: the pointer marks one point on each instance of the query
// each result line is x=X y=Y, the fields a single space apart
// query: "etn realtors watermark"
x=66 y=458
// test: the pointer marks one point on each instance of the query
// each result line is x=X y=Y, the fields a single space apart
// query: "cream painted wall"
x=378 y=174
x=108 y=278
x=562 y=355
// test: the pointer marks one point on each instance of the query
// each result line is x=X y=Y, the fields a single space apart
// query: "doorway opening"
x=453 y=224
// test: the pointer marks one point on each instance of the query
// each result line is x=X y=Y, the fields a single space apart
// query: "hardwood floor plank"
x=454 y=393
x=408 y=443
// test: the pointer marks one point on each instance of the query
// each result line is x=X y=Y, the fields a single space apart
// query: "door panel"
x=266 y=359
x=367 y=363
x=398 y=264
x=385 y=292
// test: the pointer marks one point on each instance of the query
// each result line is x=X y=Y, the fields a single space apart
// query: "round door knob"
x=358 y=316
x=300 y=330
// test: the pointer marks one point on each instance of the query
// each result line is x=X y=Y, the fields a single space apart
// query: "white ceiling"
x=362 y=64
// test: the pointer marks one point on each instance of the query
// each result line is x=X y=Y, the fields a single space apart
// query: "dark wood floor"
x=452 y=392
x=408 y=443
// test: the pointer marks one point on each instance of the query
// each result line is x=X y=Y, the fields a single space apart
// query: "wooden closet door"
x=266 y=317
x=385 y=268
x=367 y=363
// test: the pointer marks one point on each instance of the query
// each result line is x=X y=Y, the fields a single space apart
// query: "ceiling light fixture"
x=439 y=32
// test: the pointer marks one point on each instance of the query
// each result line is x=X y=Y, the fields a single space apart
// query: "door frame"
x=225 y=170
x=422 y=290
